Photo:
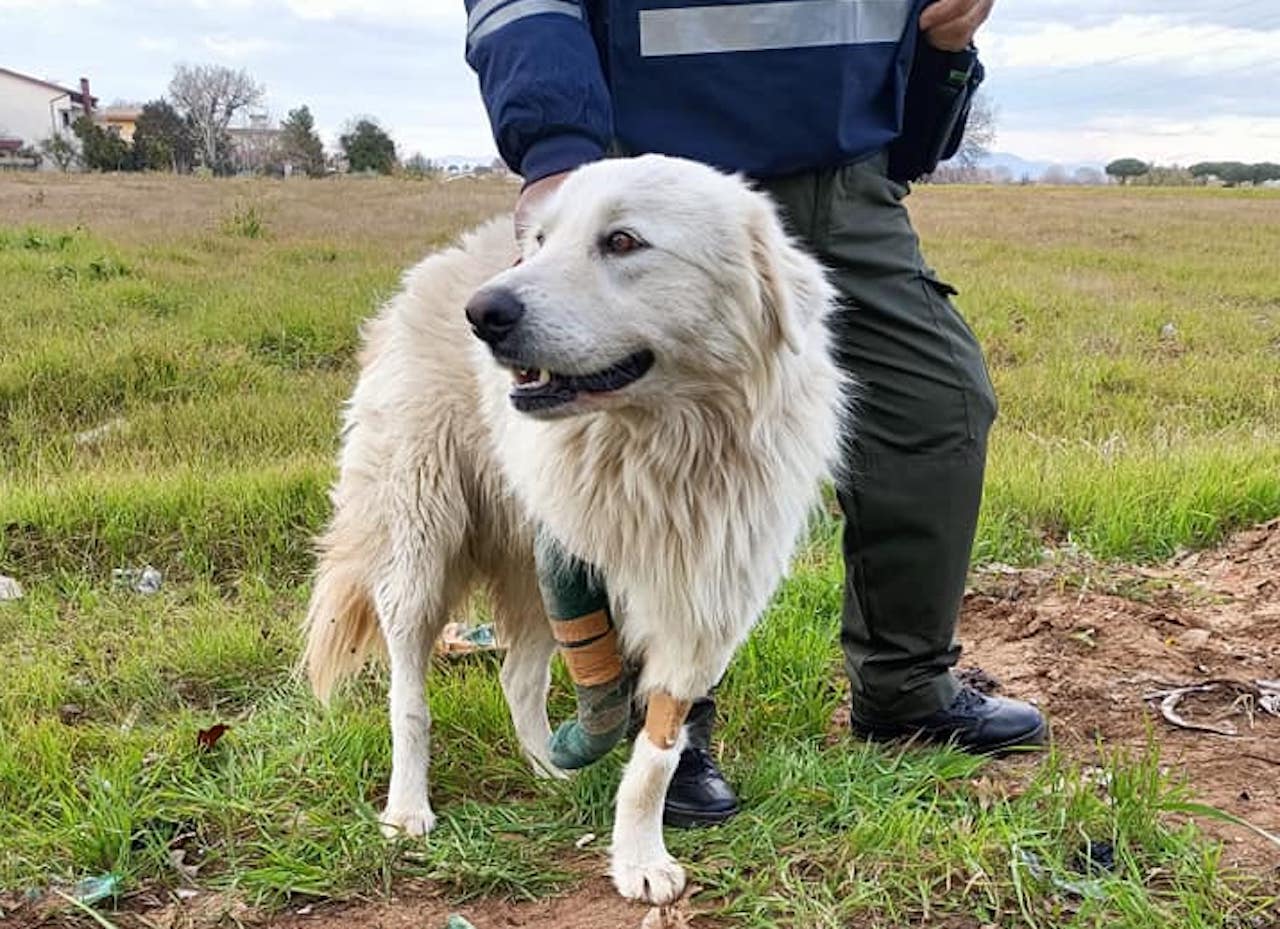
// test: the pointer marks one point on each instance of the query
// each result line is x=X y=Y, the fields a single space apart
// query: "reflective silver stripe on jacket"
x=752 y=27
x=482 y=19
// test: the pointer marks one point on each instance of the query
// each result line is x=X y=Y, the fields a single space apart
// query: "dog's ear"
x=779 y=277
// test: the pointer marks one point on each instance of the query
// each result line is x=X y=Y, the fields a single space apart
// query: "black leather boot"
x=699 y=795
x=973 y=722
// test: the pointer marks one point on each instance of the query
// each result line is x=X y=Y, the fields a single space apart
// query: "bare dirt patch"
x=592 y=906
x=414 y=905
x=1090 y=642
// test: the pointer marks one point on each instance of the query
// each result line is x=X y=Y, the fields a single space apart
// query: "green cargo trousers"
x=911 y=491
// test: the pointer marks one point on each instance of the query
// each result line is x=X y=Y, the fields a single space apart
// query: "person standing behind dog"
x=831 y=106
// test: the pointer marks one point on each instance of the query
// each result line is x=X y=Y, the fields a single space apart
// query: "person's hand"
x=950 y=25
x=531 y=196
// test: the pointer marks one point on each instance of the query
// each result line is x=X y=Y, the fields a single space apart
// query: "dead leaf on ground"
x=206 y=739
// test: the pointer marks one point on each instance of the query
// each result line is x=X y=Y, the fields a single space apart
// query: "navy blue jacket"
x=766 y=87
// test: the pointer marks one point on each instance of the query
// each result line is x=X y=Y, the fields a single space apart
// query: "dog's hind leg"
x=421 y=580
x=412 y=614
x=405 y=617
x=526 y=671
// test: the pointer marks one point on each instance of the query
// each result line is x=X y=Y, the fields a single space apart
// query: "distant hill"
x=1019 y=167
x=462 y=162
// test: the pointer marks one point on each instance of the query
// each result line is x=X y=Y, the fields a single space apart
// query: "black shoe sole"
x=690 y=819
x=1032 y=739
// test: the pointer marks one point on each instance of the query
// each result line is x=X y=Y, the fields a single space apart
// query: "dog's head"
x=643 y=280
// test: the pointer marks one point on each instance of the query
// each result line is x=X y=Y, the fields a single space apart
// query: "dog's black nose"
x=493 y=314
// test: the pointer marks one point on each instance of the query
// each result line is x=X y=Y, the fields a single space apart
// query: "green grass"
x=170 y=393
x=284 y=804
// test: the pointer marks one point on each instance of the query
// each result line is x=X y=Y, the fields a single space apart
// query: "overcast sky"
x=1173 y=81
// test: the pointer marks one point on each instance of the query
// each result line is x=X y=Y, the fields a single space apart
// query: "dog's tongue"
x=531 y=377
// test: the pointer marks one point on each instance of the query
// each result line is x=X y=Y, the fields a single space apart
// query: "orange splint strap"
x=574 y=632
x=664 y=718
x=589 y=647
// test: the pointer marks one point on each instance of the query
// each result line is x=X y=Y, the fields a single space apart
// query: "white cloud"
x=157 y=43
x=391 y=12
x=238 y=47
x=1173 y=86
x=1175 y=43
x=388 y=11
x=1094 y=12
x=45 y=6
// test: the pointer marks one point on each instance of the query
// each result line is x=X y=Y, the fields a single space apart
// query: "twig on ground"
x=1256 y=757
x=1260 y=695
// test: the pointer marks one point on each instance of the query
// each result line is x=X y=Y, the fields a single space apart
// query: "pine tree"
x=300 y=144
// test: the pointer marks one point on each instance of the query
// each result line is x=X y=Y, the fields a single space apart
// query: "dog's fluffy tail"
x=341 y=625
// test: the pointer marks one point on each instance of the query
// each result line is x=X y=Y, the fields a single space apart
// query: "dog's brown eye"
x=620 y=243
x=539 y=238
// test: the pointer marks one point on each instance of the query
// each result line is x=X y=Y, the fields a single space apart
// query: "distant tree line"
x=1228 y=173
x=191 y=130
x=162 y=141
x=1232 y=173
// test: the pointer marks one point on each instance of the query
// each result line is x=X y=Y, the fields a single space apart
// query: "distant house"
x=120 y=119
x=256 y=148
x=32 y=109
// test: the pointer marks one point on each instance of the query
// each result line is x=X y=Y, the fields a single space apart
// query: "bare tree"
x=1055 y=174
x=61 y=151
x=951 y=172
x=979 y=133
x=1088 y=175
x=209 y=96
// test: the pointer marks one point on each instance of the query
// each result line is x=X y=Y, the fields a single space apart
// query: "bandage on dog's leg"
x=578 y=605
x=664 y=719
x=603 y=691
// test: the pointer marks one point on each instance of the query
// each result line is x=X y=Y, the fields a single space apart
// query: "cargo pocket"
x=943 y=291
x=967 y=356
x=938 y=284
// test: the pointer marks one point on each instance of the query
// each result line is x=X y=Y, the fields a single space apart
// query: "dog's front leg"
x=640 y=865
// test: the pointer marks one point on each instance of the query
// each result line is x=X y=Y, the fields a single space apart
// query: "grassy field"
x=173 y=355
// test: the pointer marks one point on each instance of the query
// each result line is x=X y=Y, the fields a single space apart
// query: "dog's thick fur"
x=687 y=488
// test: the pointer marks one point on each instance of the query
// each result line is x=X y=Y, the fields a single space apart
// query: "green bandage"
x=603 y=714
x=578 y=605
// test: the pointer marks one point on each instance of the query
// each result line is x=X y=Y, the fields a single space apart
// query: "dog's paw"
x=658 y=882
x=413 y=823
x=543 y=769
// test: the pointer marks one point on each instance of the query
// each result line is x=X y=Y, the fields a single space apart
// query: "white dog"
x=656 y=391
